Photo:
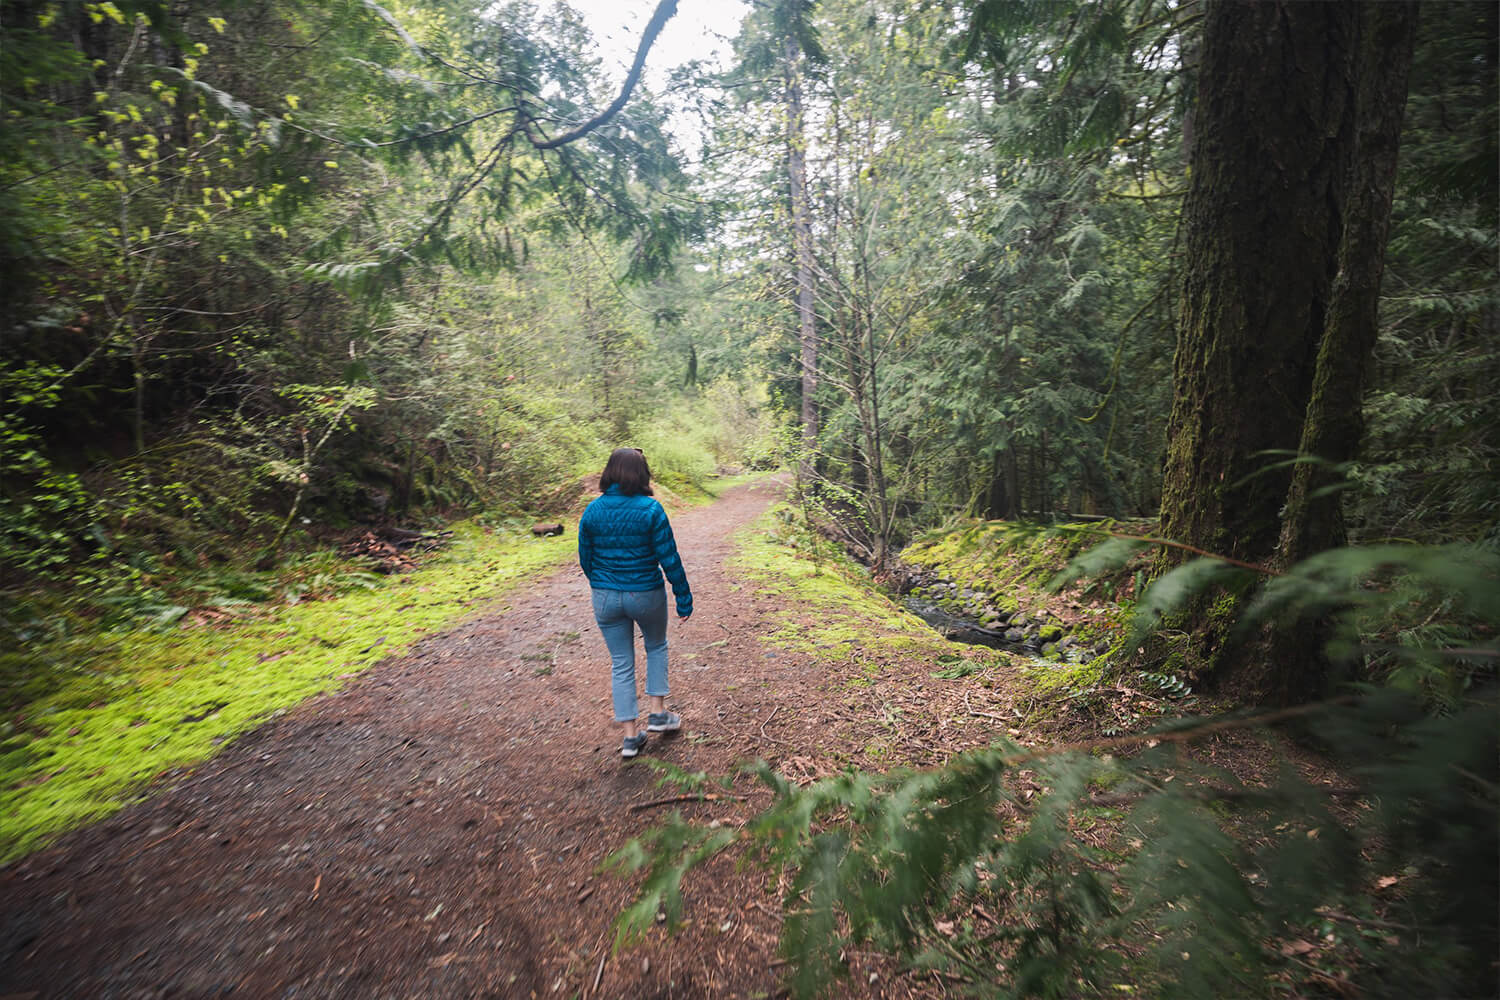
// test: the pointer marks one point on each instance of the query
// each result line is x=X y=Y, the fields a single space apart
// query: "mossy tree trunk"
x=1334 y=421
x=1312 y=519
x=1274 y=139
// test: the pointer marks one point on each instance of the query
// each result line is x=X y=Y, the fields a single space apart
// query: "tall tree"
x=807 y=330
x=779 y=45
x=1334 y=422
x=1273 y=200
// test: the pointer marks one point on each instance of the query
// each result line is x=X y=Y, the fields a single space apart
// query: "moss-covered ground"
x=94 y=718
x=833 y=607
x=1010 y=560
x=144 y=703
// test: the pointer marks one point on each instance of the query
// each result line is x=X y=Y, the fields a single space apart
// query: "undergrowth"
x=836 y=610
x=1125 y=866
x=95 y=717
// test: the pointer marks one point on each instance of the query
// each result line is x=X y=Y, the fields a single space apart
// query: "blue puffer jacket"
x=623 y=540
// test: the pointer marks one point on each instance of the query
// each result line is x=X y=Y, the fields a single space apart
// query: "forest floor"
x=435 y=828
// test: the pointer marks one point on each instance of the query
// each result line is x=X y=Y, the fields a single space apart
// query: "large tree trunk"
x=807 y=333
x=1335 y=419
x=1000 y=497
x=1262 y=225
x=1313 y=514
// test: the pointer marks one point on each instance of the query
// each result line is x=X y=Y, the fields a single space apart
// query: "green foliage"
x=661 y=892
x=1139 y=865
x=1097 y=560
x=1420 y=618
x=1427 y=468
x=93 y=717
x=1214 y=872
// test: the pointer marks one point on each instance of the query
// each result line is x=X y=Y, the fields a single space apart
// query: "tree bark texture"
x=1313 y=514
x=1334 y=421
x=1262 y=226
x=1262 y=229
x=807 y=333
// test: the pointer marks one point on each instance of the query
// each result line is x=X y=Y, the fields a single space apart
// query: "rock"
x=1019 y=620
x=1049 y=633
x=1085 y=656
x=1049 y=650
x=1068 y=642
x=1014 y=635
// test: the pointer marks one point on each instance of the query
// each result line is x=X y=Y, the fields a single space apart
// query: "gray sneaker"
x=632 y=745
x=663 y=722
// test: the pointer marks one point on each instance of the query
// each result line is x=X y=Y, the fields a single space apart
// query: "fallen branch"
x=763 y=725
x=599 y=973
x=1186 y=735
x=1349 y=918
x=983 y=715
x=693 y=797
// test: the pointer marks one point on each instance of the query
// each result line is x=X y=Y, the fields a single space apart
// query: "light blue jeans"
x=618 y=612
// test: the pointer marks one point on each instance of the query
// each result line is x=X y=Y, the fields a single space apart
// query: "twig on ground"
x=983 y=715
x=692 y=797
x=1350 y=918
x=1187 y=735
x=767 y=735
x=599 y=972
x=766 y=910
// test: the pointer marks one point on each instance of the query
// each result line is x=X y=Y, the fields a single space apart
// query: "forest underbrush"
x=1110 y=833
x=109 y=684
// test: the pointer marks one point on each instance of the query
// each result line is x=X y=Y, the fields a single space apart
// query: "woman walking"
x=625 y=543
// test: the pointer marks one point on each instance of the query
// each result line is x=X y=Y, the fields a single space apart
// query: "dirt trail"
x=433 y=829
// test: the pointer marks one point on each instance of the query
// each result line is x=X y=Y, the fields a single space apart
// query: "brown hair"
x=627 y=467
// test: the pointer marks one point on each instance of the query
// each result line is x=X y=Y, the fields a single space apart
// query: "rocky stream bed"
x=967 y=615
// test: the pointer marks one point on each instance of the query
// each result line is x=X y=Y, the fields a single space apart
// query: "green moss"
x=832 y=609
x=144 y=703
x=1047 y=679
x=1010 y=562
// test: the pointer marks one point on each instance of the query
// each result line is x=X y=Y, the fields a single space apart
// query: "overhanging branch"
x=664 y=11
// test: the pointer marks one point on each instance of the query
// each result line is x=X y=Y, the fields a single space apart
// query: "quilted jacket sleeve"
x=586 y=546
x=665 y=548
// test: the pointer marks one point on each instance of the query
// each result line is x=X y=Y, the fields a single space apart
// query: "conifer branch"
x=664 y=11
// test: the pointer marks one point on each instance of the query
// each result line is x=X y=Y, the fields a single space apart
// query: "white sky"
x=701 y=29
